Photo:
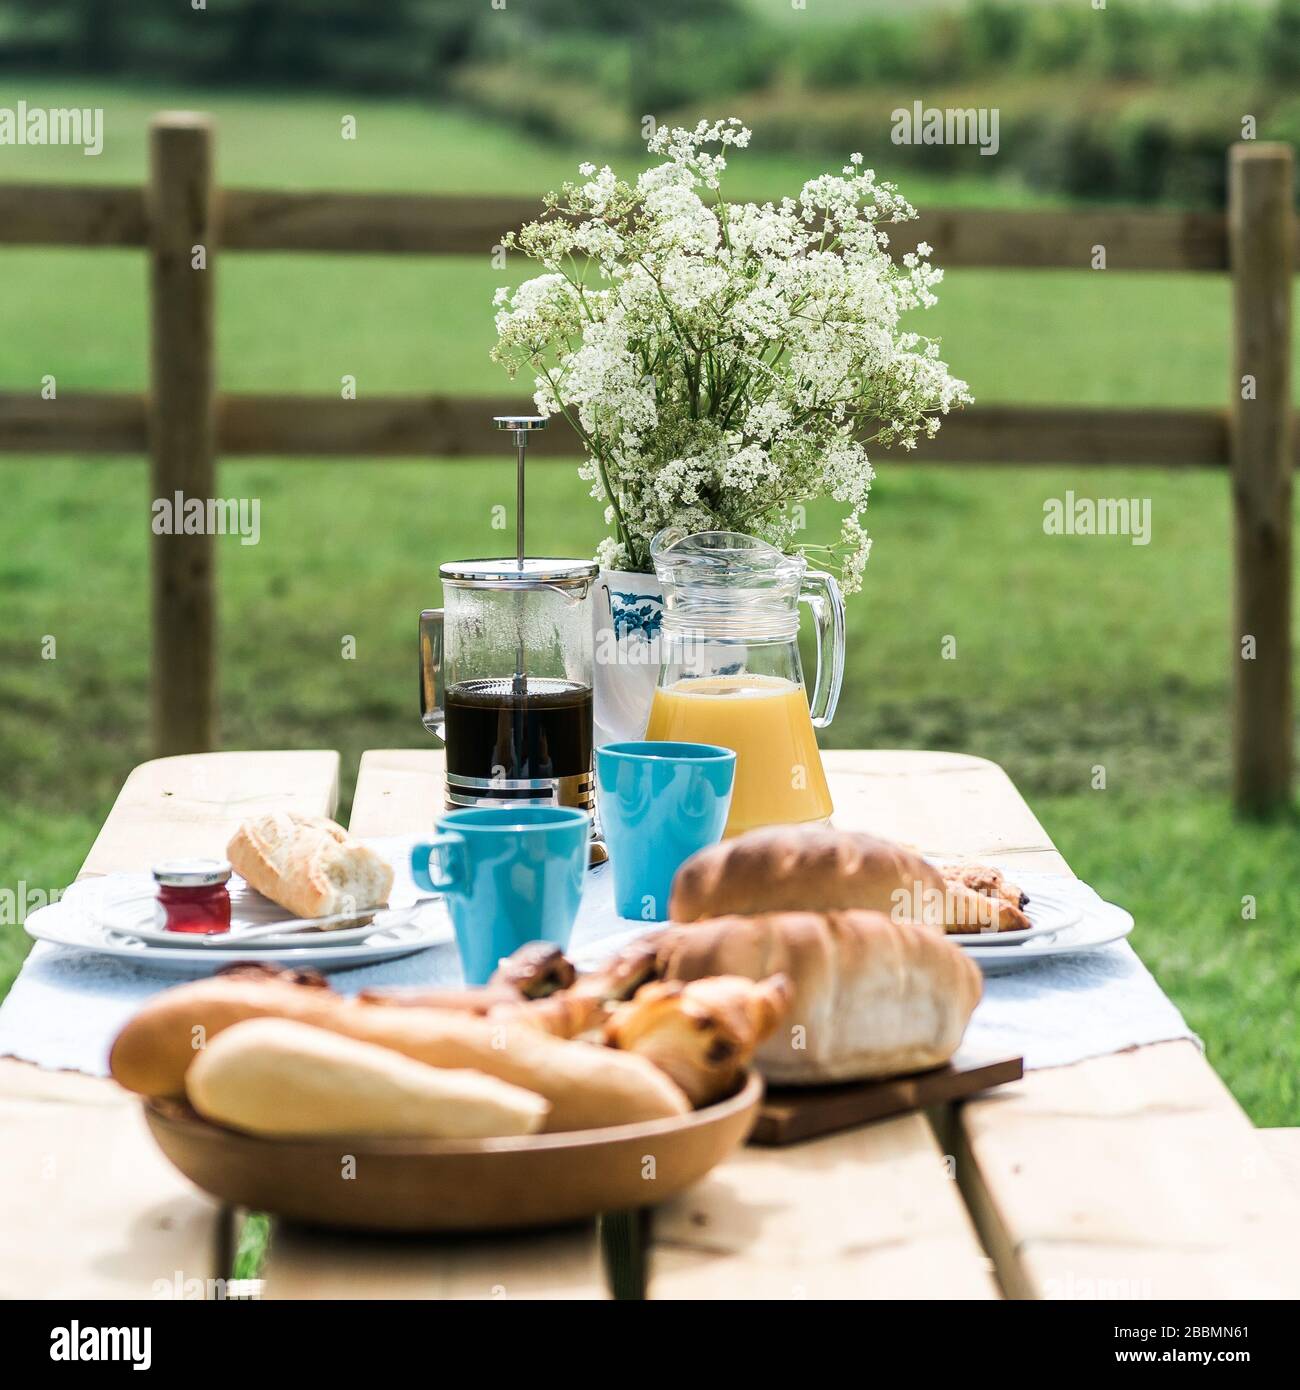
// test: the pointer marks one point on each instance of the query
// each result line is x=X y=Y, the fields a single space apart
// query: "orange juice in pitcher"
x=731 y=673
x=765 y=721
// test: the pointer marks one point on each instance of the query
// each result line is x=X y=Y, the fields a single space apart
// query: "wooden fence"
x=184 y=424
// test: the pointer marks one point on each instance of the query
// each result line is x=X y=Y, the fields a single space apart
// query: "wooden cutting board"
x=792 y=1113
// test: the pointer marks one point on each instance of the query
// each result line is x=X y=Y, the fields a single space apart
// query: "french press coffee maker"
x=506 y=670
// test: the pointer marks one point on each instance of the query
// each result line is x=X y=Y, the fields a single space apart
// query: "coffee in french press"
x=506 y=672
x=512 y=734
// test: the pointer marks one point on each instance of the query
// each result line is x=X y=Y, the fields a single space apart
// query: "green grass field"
x=1071 y=652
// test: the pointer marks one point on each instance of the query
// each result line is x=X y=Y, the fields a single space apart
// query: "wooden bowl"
x=455 y=1185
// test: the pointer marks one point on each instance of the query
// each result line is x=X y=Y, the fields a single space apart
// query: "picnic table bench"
x=1132 y=1175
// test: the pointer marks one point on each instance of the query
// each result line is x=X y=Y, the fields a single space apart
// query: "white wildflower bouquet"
x=724 y=364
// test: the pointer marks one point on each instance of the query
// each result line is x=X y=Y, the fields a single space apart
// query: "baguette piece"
x=587 y=1085
x=872 y=997
x=279 y=1079
x=564 y=1013
x=309 y=865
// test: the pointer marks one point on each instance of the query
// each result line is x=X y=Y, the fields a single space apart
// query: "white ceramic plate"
x=89 y=917
x=1101 y=924
x=69 y=928
x=1052 y=907
x=130 y=912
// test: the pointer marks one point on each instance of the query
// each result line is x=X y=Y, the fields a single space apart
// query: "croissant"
x=703 y=1033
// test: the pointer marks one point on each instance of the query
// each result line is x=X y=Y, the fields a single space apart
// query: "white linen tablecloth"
x=67 y=1005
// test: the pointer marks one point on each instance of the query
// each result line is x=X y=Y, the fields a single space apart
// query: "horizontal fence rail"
x=184 y=424
x=452 y=427
x=432 y=225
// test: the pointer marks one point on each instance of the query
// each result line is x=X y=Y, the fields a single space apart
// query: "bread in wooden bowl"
x=463 y=1109
x=281 y=1079
x=870 y=997
x=587 y=1085
x=819 y=869
x=418 y=1185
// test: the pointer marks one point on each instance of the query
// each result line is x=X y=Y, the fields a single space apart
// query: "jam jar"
x=192 y=896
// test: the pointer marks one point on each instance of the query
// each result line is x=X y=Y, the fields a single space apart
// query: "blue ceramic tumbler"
x=510 y=874
x=659 y=802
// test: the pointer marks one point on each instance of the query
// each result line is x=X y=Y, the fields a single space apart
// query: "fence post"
x=181 y=430
x=1261 y=229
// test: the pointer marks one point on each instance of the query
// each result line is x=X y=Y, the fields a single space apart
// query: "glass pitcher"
x=731 y=673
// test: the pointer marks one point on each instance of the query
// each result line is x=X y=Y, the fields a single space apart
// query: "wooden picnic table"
x=1133 y=1175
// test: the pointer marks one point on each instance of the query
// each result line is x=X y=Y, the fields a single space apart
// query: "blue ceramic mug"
x=659 y=803
x=510 y=875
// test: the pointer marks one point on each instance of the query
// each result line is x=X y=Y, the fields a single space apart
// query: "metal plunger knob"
x=522 y=425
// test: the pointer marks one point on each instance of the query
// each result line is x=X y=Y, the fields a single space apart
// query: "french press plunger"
x=505 y=672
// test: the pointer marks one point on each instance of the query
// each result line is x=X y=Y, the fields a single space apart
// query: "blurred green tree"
x=396 y=45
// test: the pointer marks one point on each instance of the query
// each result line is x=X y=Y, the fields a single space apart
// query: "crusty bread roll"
x=872 y=997
x=791 y=868
x=280 y=1079
x=818 y=869
x=588 y=1086
x=309 y=865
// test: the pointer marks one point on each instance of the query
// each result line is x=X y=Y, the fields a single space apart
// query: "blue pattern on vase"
x=643 y=613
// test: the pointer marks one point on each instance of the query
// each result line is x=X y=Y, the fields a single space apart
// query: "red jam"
x=192 y=896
